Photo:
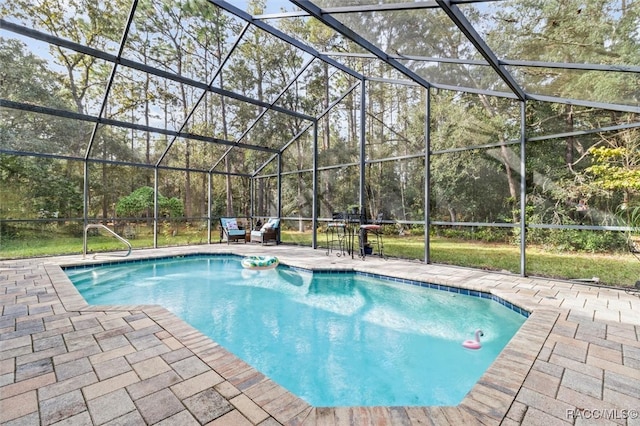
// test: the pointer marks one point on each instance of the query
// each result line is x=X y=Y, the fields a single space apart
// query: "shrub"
x=578 y=240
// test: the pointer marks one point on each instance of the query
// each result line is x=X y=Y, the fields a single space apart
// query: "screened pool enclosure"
x=458 y=120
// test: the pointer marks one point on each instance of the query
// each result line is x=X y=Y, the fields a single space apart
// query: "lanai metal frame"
x=327 y=16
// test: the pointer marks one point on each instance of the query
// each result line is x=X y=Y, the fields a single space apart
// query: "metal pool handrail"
x=98 y=225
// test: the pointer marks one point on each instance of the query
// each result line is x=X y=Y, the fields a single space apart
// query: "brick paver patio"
x=576 y=360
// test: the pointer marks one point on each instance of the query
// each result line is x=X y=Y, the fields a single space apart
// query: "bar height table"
x=352 y=232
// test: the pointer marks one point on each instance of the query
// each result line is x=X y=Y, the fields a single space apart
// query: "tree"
x=141 y=201
x=615 y=171
x=30 y=186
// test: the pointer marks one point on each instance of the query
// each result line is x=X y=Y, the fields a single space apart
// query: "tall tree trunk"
x=147 y=152
x=105 y=199
x=326 y=139
x=225 y=132
x=569 y=148
x=504 y=158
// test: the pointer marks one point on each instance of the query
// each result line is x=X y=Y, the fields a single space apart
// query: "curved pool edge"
x=489 y=398
x=490 y=401
x=487 y=402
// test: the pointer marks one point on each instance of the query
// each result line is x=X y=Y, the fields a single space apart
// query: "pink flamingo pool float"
x=474 y=344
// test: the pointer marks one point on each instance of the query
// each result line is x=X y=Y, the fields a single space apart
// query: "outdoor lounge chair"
x=230 y=231
x=270 y=231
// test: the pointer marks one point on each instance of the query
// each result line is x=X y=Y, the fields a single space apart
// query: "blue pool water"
x=333 y=339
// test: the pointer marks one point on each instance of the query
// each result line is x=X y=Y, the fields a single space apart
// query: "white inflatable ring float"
x=260 y=262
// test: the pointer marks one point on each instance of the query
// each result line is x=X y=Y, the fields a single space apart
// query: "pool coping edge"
x=488 y=401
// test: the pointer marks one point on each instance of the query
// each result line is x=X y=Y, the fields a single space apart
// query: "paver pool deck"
x=576 y=360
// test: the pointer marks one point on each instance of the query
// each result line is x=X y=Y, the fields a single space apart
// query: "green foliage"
x=630 y=216
x=577 y=240
x=140 y=202
x=8 y=231
x=487 y=235
x=615 y=168
x=172 y=207
x=73 y=229
x=136 y=203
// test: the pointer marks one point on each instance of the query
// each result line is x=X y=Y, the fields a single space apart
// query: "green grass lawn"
x=619 y=269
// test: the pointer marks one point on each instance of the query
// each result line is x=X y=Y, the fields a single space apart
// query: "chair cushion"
x=371 y=227
x=273 y=223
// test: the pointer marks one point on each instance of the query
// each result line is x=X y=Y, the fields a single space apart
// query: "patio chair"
x=270 y=231
x=231 y=231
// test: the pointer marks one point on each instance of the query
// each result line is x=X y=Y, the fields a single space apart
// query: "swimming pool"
x=333 y=339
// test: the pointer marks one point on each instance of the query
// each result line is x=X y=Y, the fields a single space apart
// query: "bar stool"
x=336 y=232
x=368 y=230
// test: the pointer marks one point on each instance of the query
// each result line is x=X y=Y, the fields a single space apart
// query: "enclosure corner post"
x=363 y=150
x=209 y=205
x=279 y=185
x=155 y=207
x=85 y=206
x=523 y=189
x=427 y=176
x=314 y=202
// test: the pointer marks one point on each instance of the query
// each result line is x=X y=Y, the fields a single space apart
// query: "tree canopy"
x=227 y=108
x=141 y=201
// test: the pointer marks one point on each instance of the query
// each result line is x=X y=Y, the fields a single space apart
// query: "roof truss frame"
x=47 y=38
x=336 y=25
x=324 y=15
